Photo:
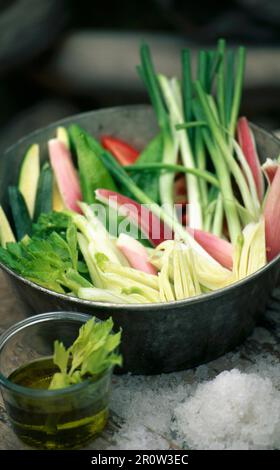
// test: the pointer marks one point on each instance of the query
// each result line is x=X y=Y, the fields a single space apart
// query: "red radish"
x=151 y=226
x=135 y=253
x=221 y=250
x=247 y=143
x=123 y=152
x=272 y=217
x=269 y=168
x=65 y=174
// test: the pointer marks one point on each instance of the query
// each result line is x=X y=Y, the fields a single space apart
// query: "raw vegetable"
x=93 y=174
x=250 y=255
x=50 y=262
x=65 y=173
x=44 y=192
x=62 y=135
x=6 y=233
x=248 y=145
x=57 y=201
x=270 y=168
x=272 y=217
x=150 y=225
x=122 y=151
x=220 y=249
x=136 y=254
x=196 y=194
x=149 y=181
x=29 y=177
x=91 y=354
x=21 y=217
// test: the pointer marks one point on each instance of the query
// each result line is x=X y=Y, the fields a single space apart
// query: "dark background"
x=58 y=57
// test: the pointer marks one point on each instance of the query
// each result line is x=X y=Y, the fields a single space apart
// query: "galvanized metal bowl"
x=157 y=337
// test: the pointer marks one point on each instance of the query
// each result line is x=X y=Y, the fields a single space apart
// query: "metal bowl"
x=157 y=337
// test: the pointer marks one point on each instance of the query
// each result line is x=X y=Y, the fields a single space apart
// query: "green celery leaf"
x=51 y=222
x=61 y=356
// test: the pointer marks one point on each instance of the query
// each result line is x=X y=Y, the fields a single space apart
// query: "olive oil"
x=60 y=420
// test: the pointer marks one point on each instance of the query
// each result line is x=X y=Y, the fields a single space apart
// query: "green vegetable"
x=203 y=174
x=45 y=192
x=29 y=177
x=6 y=233
x=93 y=174
x=51 y=262
x=151 y=154
x=51 y=222
x=20 y=213
x=91 y=354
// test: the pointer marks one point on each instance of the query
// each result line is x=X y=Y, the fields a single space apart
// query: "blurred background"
x=59 y=57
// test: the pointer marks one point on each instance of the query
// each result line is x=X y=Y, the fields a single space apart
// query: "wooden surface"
x=11 y=312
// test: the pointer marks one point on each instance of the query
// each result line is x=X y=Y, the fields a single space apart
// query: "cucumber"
x=29 y=177
x=22 y=220
x=6 y=233
x=44 y=195
x=62 y=135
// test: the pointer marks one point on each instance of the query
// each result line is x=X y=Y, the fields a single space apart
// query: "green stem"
x=176 y=116
x=201 y=164
x=217 y=228
x=187 y=89
x=203 y=174
x=187 y=125
x=237 y=90
x=221 y=81
x=225 y=150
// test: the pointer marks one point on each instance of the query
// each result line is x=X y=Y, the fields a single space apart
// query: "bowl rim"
x=41 y=318
x=135 y=306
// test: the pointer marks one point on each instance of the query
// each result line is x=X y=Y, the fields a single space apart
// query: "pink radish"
x=151 y=226
x=272 y=217
x=247 y=143
x=221 y=250
x=135 y=253
x=269 y=168
x=65 y=174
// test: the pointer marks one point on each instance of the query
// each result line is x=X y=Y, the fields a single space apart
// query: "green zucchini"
x=29 y=177
x=44 y=195
x=6 y=233
x=22 y=220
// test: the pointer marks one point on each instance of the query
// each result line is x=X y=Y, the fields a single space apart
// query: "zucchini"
x=6 y=233
x=29 y=177
x=22 y=220
x=62 y=135
x=44 y=193
x=57 y=201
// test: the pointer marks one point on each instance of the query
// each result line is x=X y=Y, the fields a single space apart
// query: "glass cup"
x=52 y=419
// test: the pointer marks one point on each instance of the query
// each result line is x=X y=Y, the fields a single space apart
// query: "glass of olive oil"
x=50 y=419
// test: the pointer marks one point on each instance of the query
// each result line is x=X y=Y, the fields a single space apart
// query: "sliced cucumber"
x=44 y=193
x=62 y=135
x=29 y=177
x=22 y=220
x=6 y=233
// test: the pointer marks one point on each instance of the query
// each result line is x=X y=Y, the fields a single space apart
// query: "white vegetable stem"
x=173 y=98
